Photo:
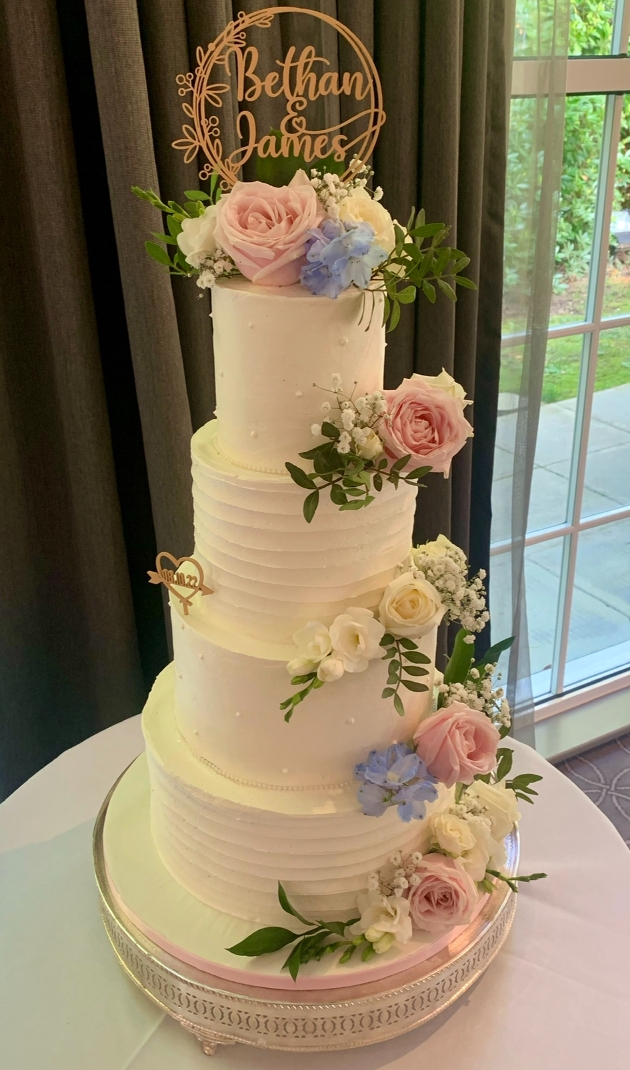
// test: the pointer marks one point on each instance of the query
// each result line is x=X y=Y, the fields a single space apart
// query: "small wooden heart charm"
x=175 y=577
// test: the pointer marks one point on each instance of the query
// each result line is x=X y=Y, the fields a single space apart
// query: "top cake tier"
x=276 y=351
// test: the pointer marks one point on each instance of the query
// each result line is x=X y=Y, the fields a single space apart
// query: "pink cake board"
x=197 y=934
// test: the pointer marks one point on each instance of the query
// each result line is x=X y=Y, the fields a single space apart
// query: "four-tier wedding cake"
x=304 y=756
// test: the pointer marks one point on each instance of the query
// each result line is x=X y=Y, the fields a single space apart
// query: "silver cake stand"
x=220 y=1012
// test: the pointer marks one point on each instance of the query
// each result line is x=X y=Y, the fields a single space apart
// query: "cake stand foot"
x=209 y=1040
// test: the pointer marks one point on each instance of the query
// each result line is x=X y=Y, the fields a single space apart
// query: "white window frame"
x=610 y=76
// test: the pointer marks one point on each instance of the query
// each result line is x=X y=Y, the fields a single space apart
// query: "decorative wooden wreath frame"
x=205 y=133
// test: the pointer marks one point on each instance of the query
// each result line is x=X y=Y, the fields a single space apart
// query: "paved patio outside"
x=599 y=638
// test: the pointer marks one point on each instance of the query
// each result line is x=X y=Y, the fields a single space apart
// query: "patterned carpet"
x=604 y=775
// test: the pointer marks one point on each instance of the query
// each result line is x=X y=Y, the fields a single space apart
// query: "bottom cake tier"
x=138 y=890
x=229 y=844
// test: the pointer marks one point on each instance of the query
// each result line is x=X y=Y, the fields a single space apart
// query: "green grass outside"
x=564 y=355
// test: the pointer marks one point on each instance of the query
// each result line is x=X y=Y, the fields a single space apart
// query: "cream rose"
x=359 y=207
x=445 y=382
x=197 y=237
x=355 y=637
x=371 y=447
x=384 y=920
x=410 y=606
x=501 y=806
x=468 y=839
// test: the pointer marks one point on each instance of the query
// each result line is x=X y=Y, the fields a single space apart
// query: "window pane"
x=542 y=581
x=554 y=444
x=599 y=635
x=583 y=132
x=607 y=475
x=519 y=213
x=617 y=290
x=590 y=31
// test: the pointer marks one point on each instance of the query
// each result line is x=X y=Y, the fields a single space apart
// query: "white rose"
x=371 y=447
x=500 y=804
x=355 y=637
x=445 y=382
x=384 y=920
x=313 y=642
x=330 y=669
x=359 y=207
x=410 y=606
x=469 y=840
x=196 y=239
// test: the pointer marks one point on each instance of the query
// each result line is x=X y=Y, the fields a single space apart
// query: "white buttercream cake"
x=241 y=799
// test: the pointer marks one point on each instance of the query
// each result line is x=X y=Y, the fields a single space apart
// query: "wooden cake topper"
x=230 y=66
x=172 y=578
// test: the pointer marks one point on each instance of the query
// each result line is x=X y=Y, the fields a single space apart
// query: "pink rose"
x=446 y=895
x=264 y=228
x=426 y=421
x=457 y=743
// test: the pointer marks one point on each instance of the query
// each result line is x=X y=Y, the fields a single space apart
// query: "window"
x=577 y=556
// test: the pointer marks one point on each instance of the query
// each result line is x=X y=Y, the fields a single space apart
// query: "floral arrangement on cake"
x=319 y=230
x=389 y=436
x=432 y=586
x=460 y=853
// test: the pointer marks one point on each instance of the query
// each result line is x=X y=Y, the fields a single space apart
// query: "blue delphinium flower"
x=395 y=777
x=339 y=255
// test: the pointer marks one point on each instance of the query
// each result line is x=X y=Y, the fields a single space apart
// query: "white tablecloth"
x=556 y=997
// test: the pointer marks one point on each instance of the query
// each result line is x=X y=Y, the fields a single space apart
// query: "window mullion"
x=584 y=401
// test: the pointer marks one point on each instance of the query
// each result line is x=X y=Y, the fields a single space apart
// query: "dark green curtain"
x=106 y=363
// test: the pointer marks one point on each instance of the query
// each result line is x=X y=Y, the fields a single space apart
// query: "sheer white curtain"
x=541 y=32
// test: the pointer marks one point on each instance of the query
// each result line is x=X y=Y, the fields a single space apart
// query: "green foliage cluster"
x=404 y=660
x=419 y=261
x=175 y=214
x=321 y=938
x=349 y=478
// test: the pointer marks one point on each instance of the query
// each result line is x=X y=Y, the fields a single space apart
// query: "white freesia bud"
x=330 y=669
x=300 y=666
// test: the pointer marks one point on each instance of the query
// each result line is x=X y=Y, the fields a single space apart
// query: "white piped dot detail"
x=343 y=341
x=179 y=675
x=251 y=326
x=237 y=713
x=285 y=770
x=350 y=720
x=254 y=434
x=298 y=393
x=202 y=657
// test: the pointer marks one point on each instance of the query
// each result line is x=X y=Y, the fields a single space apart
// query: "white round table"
x=556 y=997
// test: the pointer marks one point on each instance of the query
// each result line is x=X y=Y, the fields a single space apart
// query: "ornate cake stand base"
x=220 y=1012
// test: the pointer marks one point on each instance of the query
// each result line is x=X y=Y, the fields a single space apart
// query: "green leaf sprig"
x=321 y=938
x=175 y=214
x=511 y=882
x=312 y=684
x=351 y=480
x=404 y=660
x=418 y=262
x=521 y=786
